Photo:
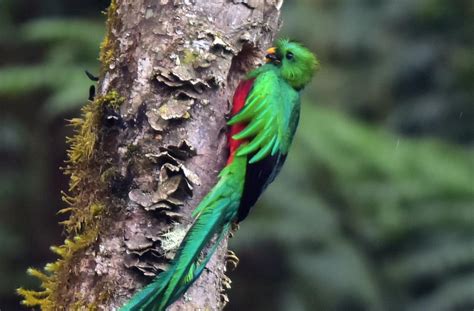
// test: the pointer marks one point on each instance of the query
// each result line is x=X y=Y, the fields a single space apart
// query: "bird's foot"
x=226 y=281
x=224 y=300
x=235 y=227
x=232 y=258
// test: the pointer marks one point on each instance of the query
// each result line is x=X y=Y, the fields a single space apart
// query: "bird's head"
x=296 y=63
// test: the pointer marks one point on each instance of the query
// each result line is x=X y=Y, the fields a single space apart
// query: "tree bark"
x=172 y=65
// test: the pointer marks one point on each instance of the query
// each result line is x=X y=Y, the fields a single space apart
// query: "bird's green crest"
x=297 y=63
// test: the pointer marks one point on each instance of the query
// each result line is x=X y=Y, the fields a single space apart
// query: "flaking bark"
x=176 y=64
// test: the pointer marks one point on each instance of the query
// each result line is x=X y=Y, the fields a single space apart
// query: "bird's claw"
x=232 y=258
x=235 y=227
x=226 y=281
x=224 y=300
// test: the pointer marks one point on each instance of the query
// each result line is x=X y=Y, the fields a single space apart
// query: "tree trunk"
x=151 y=144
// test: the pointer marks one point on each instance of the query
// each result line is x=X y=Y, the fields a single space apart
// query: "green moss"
x=132 y=150
x=109 y=174
x=85 y=206
x=81 y=304
x=190 y=57
x=111 y=99
x=108 y=45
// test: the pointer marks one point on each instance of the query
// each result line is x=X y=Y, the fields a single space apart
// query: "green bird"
x=265 y=114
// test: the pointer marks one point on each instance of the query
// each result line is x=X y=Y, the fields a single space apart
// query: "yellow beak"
x=270 y=56
x=271 y=50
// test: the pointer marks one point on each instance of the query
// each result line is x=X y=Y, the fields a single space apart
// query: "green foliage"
x=80 y=33
x=12 y=245
x=66 y=48
x=406 y=64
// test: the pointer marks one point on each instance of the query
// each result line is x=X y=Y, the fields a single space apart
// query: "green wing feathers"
x=267 y=113
x=213 y=218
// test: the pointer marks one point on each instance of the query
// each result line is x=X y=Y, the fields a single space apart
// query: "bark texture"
x=175 y=63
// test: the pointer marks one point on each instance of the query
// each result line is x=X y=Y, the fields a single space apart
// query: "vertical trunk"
x=150 y=145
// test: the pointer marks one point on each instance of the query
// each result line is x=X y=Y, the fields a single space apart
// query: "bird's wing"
x=267 y=113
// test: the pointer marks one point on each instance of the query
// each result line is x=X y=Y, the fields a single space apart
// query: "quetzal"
x=265 y=113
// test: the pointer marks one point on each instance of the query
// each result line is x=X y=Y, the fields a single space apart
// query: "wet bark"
x=176 y=64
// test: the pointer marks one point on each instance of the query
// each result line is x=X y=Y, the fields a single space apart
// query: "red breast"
x=238 y=103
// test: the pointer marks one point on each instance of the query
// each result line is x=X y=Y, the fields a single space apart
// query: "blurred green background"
x=375 y=207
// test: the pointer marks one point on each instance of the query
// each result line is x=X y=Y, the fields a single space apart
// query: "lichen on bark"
x=156 y=149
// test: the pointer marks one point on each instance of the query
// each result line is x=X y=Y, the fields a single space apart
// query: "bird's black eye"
x=289 y=56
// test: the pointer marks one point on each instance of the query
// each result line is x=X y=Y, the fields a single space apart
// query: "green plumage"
x=268 y=121
x=270 y=113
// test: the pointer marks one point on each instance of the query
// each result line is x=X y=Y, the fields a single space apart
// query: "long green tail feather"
x=208 y=223
x=214 y=216
x=199 y=269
